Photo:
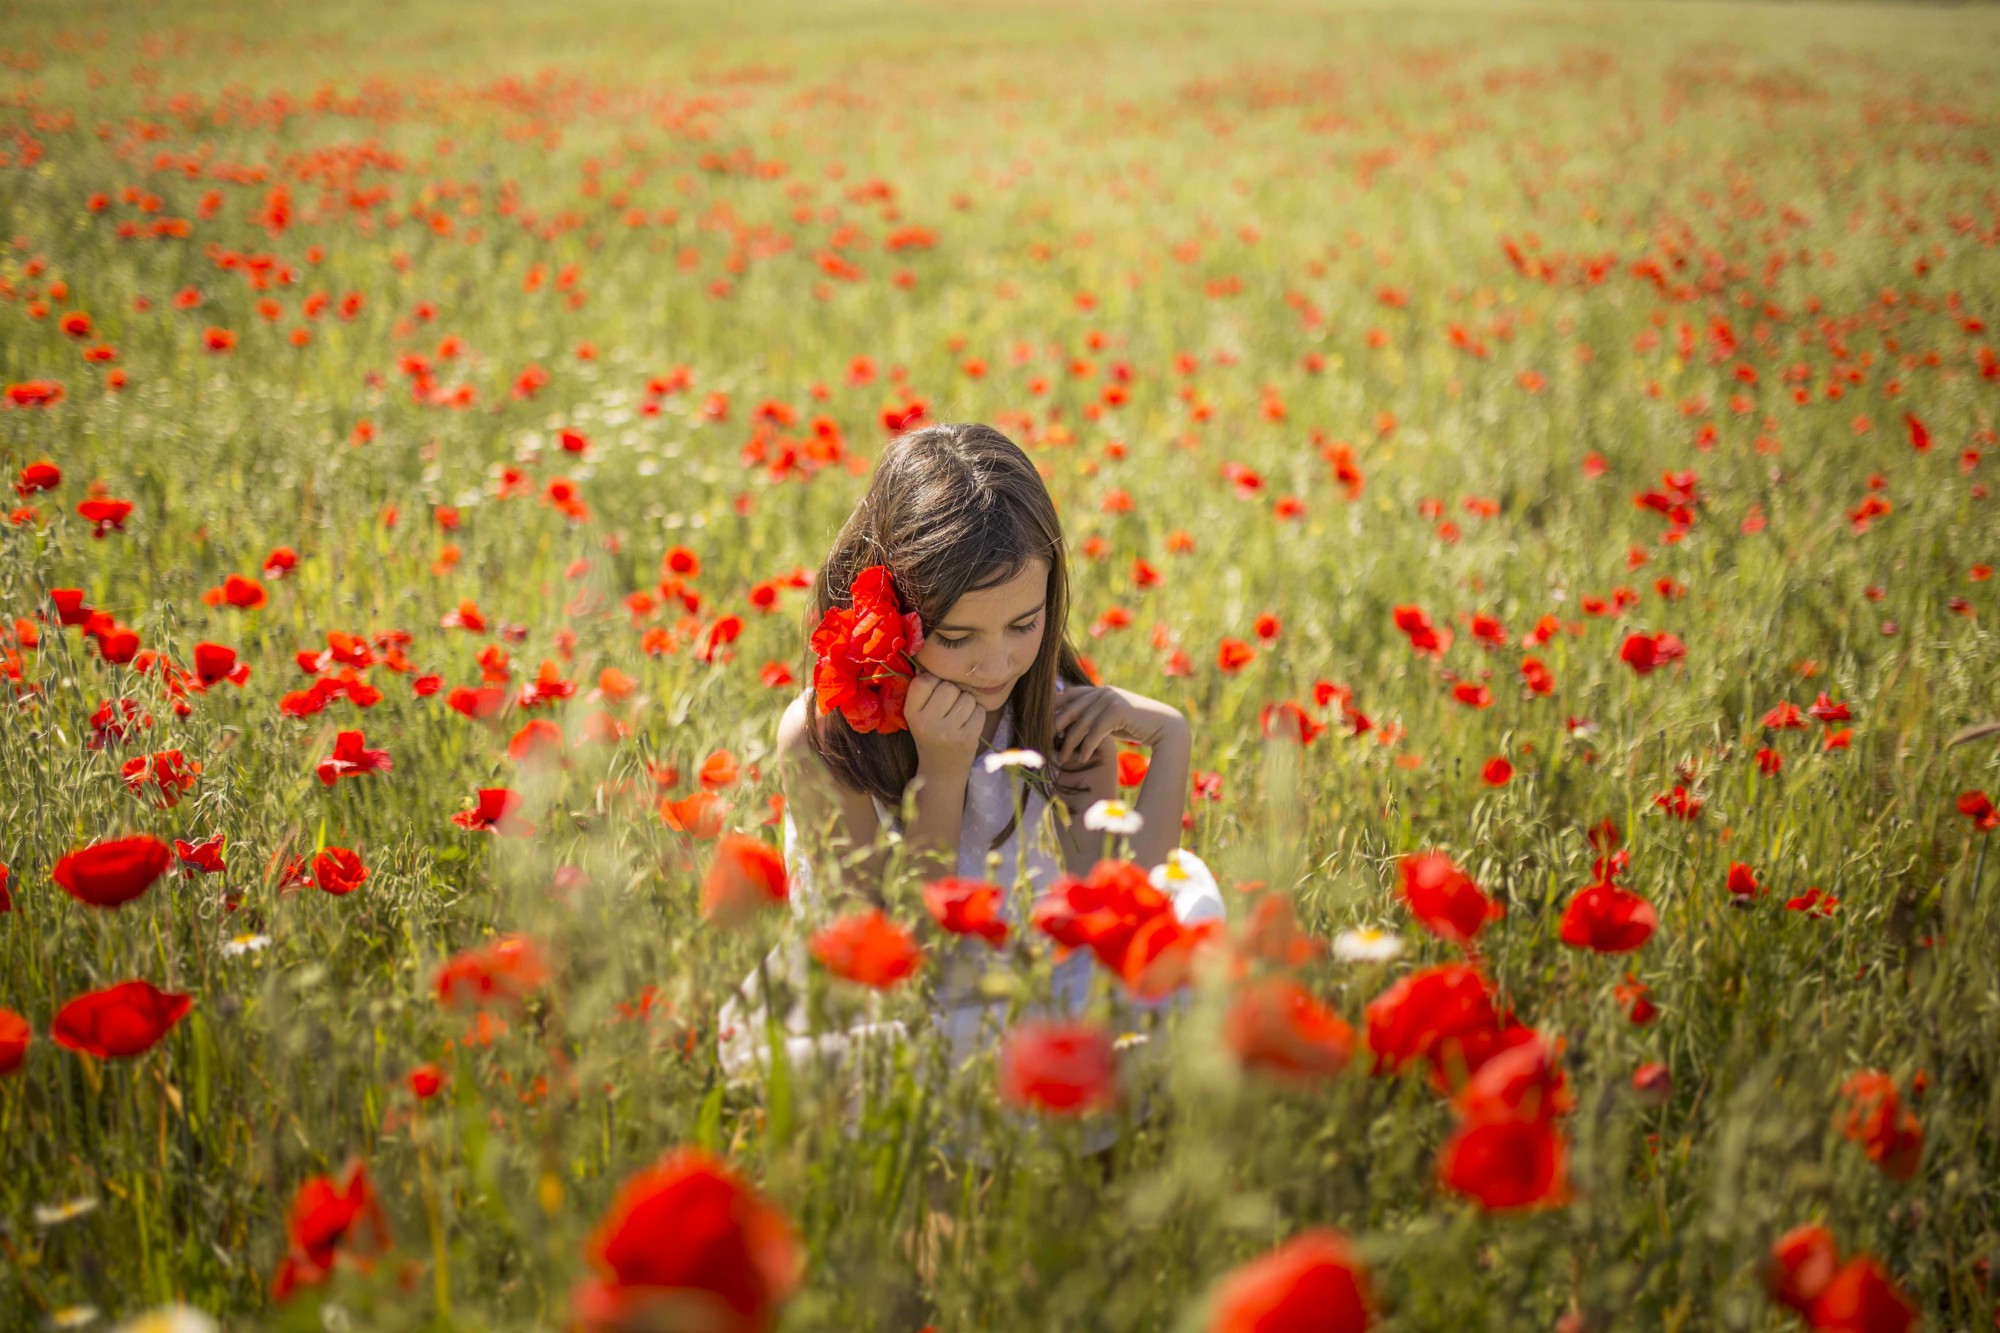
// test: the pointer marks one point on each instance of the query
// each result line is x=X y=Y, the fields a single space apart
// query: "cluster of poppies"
x=865 y=655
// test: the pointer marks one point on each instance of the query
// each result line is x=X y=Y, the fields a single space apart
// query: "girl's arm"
x=1088 y=721
x=945 y=722
x=831 y=821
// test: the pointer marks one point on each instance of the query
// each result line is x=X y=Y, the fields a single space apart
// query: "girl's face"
x=991 y=636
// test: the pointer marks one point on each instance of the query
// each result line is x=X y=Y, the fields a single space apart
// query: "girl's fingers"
x=1082 y=738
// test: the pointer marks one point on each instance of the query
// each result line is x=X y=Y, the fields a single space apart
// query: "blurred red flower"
x=1872 y=1115
x=351 y=758
x=686 y=1243
x=108 y=874
x=1505 y=1165
x=1861 y=1298
x=745 y=876
x=867 y=948
x=15 y=1035
x=1445 y=899
x=1276 y=1027
x=1063 y=1068
x=119 y=1021
x=967 y=907
x=1607 y=919
x=1800 y=1264
x=505 y=971
x=497 y=812
x=338 y=871
x=327 y=1218
x=1310 y=1284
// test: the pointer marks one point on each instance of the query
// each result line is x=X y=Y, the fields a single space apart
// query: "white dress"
x=969 y=1023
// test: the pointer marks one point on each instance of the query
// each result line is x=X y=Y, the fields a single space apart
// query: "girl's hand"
x=1086 y=716
x=944 y=720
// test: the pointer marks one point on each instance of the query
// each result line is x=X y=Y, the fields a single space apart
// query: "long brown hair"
x=952 y=508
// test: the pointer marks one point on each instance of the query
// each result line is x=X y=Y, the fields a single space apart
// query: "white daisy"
x=170 y=1319
x=1170 y=871
x=243 y=944
x=1370 y=944
x=1000 y=759
x=73 y=1316
x=55 y=1214
x=1113 y=817
x=1127 y=1040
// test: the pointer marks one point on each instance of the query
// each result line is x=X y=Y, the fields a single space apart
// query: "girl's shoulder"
x=793 y=727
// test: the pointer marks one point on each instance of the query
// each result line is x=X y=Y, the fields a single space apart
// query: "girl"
x=960 y=518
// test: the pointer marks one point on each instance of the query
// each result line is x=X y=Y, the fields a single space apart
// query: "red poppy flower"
x=688 y=1243
x=1057 y=1067
x=1679 y=803
x=6 y=899
x=504 y=971
x=426 y=1081
x=351 y=758
x=168 y=772
x=1643 y=652
x=497 y=812
x=1606 y=919
x=215 y=663
x=201 y=858
x=119 y=1021
x=1276 y=1027
x=967 y=907
x=1160 y=958
x=481 y=705
x=745 y=876
x=1234 y=655
x=1102 y=912
x=110 y=873
x=1636 y=999
x=1522 y=1082
x=1443 y=1014
x=42 y=476
x=15 y=1034
x=1861 y=1298
x=1310 y=1284
x=1801 y=1263
x=1978 y=807
x=539 y=743
x=1290 y=722
x=864 y=655
x=1505 y=1165
x=1423 y=636
x=327 y=1218
x=244 y=594
x=339 y=871
x=1445 y=899
x=868 y=949
x=105 y=515
x=1497 y=773
x=1472 y=694
x=1872 y=1115
x=698 y=814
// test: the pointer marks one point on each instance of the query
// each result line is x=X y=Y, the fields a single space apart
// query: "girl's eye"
x=943 y=642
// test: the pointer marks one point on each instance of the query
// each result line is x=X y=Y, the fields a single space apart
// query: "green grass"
x=1820 y=177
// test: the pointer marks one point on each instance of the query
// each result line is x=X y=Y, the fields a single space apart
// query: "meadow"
x=1543 y=450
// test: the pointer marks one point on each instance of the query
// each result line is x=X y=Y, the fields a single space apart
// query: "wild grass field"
x=1544 y=450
